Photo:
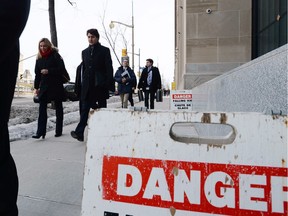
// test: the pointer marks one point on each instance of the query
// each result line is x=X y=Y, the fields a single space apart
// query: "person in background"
x=149 y=82
x=126 y=80
x=97 y=80
x=13 y=18
x=130 y=99
x=48 y=85
x=78 y=83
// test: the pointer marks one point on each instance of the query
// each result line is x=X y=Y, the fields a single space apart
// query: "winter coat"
x=78 y=80
x=97 y=76
x=124 y=88
x=51 y=83
x=156 y=79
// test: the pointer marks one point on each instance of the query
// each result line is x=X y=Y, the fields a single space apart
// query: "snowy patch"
x=23 y=118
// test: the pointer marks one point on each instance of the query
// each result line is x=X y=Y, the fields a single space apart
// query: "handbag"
x=140 y=95
x=65 y=76
x=159 y=95
x=36 y=98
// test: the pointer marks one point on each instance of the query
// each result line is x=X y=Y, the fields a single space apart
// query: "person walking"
x=130 y=99
x=13 y=18
x=97 y=80
x=78 y=83
x=48 y=85
x=126 y=80
x=149 y=82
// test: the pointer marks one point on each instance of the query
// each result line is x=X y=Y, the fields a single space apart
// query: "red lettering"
x=224 y=188
x=182 y=96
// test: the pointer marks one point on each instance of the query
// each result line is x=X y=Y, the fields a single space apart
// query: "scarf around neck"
x=46 y=54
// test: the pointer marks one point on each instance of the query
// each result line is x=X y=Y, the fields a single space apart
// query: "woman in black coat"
x=48 y=84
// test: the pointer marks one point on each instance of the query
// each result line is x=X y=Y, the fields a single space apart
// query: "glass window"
x=269 y=25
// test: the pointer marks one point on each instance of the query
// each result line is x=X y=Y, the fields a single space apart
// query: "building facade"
x=216 y=36
x=25 y=80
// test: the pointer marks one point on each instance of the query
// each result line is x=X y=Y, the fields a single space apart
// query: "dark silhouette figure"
x=13 y=17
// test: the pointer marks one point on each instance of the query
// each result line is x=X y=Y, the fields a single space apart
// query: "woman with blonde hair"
x=48 y=85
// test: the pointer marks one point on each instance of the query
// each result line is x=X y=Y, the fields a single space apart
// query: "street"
x=23 y=99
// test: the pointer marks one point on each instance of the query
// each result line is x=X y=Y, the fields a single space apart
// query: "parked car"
x=69 y=91
x=111 y=94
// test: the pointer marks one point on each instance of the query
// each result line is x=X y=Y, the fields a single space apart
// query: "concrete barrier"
x=185 y=163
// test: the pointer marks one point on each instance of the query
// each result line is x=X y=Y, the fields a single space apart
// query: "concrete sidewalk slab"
x=50 y=174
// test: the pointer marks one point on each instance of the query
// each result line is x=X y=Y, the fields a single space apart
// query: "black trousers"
x=8 y=172
x=130 y=99
x=42 y=119
x=84 y=114
x=149 y=94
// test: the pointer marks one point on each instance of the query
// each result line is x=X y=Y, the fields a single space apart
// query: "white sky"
x=153 y=21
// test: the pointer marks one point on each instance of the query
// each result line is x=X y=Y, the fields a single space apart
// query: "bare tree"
x=71 y=3
x=108 y=36
x=113 y=37
x=52 y=20
x=111 y=40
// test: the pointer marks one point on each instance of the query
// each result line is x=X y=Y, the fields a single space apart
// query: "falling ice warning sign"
x=181 y=100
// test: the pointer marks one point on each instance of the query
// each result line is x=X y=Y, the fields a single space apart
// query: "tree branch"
x=111 y=42
x=71 y=3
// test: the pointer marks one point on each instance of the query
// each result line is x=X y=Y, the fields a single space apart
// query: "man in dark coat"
x=97 y=80
x=13 y=17
x=149 y=82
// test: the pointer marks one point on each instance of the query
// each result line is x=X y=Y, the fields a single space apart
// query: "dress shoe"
x=37 y=136
x=75 y=136
x=58 y=134
x=95 y=106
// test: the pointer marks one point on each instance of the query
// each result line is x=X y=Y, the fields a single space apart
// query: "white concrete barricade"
x=185 y=163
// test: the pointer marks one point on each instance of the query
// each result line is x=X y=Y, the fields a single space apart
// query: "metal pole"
x=139 y=61
x=132 y=38
x=27 y=58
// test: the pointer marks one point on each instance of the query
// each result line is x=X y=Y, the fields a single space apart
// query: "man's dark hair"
x=150 y=60
x=93 y=32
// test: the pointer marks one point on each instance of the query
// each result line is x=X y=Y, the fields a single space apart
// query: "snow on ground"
x=23 y=118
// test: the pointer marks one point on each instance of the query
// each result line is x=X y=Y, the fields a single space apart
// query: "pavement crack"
x=47 y=200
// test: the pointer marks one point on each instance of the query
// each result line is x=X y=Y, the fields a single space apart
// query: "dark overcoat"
x=78 y=80
x=97 y=74
x=51 y=83
x=156 y=79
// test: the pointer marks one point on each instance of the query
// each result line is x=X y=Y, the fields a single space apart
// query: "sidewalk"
x=51 y=170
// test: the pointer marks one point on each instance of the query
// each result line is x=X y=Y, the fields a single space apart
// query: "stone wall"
x=216 y=42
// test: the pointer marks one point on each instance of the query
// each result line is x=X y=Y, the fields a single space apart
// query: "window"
x=269 y=25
